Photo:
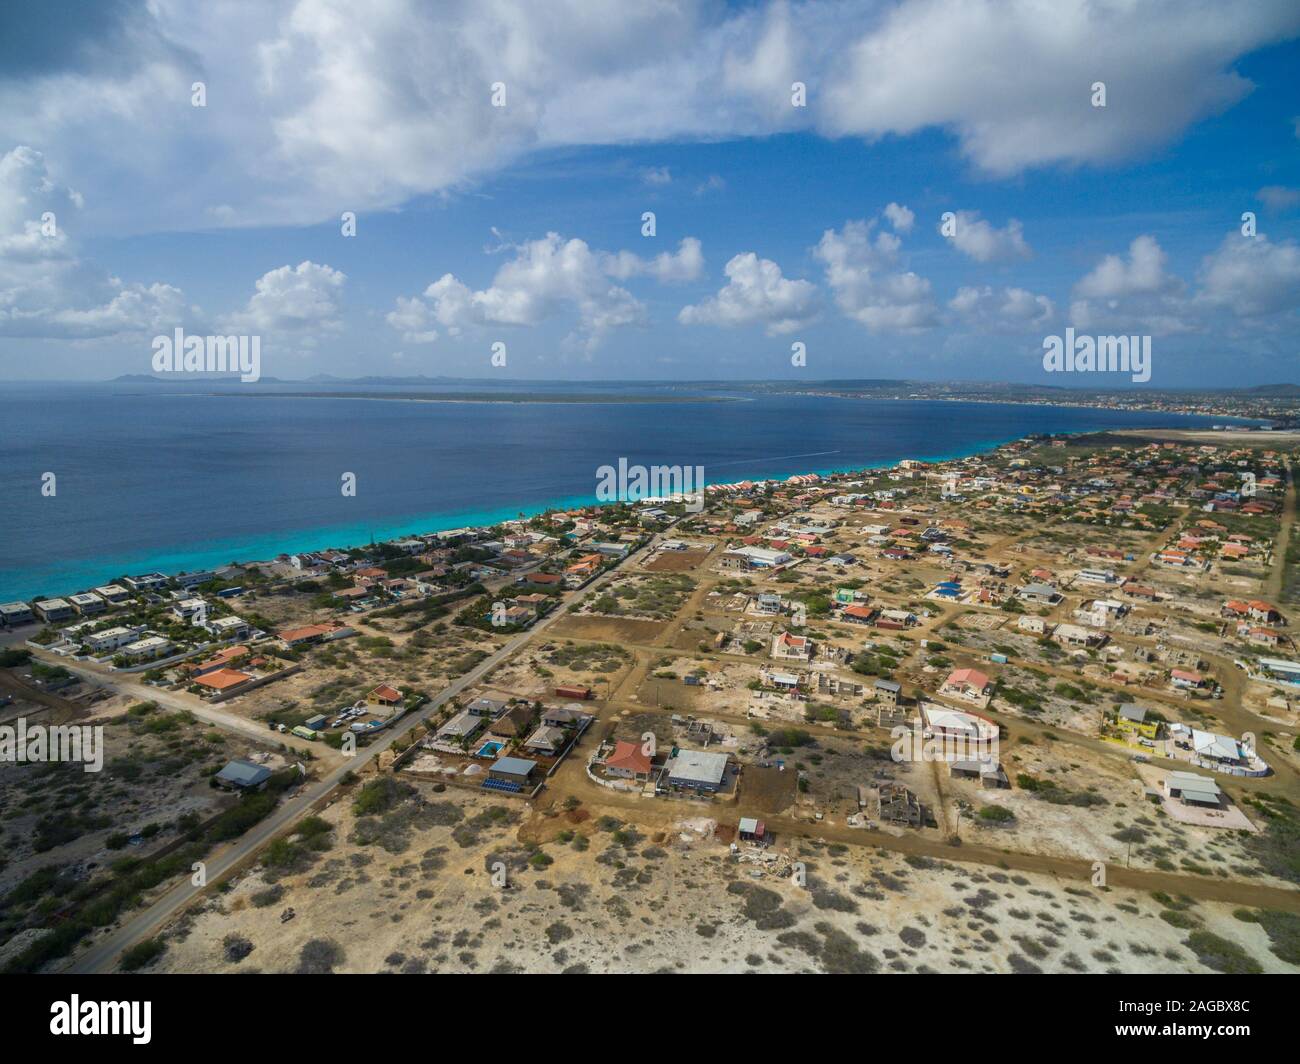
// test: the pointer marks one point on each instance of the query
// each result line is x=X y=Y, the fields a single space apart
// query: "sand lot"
x=416 y=894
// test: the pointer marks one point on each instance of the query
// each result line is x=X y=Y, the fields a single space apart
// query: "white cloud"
x=686 y=264
x=756 y=293
x=1137 y=293
x=302 y=299
x=1164 y=67
x=983 y=242
x=322 y=105
x=1001 y=310
x=1278 y=197
x=414 y=320
x=1142 y=273
x=900 y=218
x=1251 y=276
x=657 y=175
x=46 y=290
x=545 y=277
x=869 y=284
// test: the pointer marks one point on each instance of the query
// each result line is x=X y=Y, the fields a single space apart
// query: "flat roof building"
x=698 y=770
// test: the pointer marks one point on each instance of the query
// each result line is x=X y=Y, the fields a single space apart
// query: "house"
x=1186 y=679
x=1262 y=611
x=1221 y=748
x=970 y=684
x=114 y=594
x=293 y=638
x=563 y=717
x=858 y=614
x=547 y=740
x=1042 y=593
x=232 y=627
x=55 y=609
x=485 y=707
x=746 y=558
x=887 y=692
x=628 y=761
x=188 y=609
x=788 y=647
x=1193 y=789
x=241 y=775
x=1133 y=719
x=698 y=770
x=768 y=604
x=87 y=603
x=146 y=582
x=464 y=725
x=13 y=614
x=1268 y=637
x=153 y=646
x=218 y=661
x=752 y=829
x=953 y=724
x=384 y=695
x=1096 y=576
x=1072 y=635
x=512 y=724
x=1032 y=625
x=223 y=681
x=97 y=643
x=512 y=770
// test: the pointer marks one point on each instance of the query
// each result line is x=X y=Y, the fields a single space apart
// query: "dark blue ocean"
x=152 y=477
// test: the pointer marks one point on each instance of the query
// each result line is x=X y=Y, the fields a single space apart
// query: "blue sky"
x=774 y=224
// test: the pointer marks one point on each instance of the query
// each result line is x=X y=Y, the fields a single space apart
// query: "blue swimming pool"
x=491 y=748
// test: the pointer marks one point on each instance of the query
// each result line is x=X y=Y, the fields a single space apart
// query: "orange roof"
x=628 y=756
x=223 y=656
x=971 y=677
x=221 y=679
x=387 y=693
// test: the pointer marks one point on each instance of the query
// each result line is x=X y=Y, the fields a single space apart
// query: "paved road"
x=102 y=955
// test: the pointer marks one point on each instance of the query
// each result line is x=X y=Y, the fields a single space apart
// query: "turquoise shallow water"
x=150 y=480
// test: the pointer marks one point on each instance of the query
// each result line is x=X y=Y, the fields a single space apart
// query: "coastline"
x=84 y=573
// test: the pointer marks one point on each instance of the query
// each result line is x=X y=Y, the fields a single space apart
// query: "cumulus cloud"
x=303 y=299
x=1136 y=292
x=900 y=218
x=1001 y=310
x=545 y=277
x=869 y=283
x=1164 y=67
x=1251 y=276
x=686 y=264
x=321 y=105
x=756 y=293
x=983 y=242
x=47 y=291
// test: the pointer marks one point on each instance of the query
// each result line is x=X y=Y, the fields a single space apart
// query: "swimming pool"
x=491 y=748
